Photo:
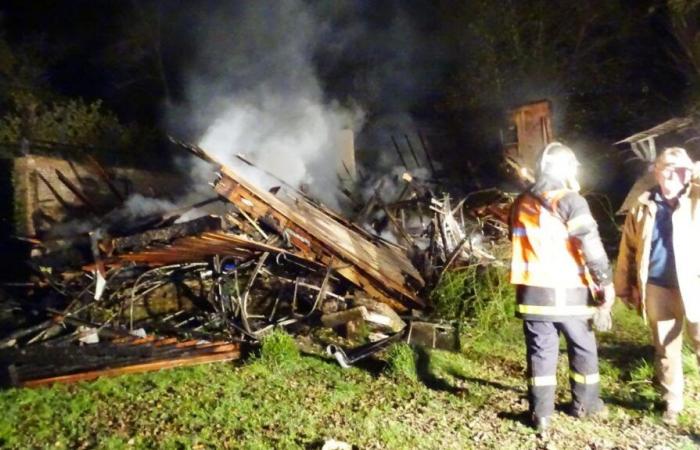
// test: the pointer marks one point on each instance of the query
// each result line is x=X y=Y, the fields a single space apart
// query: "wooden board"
x=383 y=271
x=136 y=368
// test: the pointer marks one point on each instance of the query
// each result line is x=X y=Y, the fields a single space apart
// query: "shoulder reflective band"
x=519 y=231
x=591 y=378
x=577 y=310
x=580 y=221
x=548 y=380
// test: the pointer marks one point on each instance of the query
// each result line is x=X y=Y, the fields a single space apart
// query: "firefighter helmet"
x=559 y=162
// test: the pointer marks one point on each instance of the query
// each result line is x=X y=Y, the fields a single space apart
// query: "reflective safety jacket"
x=557 y=255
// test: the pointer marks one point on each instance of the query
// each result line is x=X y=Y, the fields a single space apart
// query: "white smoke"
x=294 y=138
x=255 y=92
x=138 y=205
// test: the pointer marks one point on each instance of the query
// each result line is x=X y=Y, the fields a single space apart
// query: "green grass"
x=278 y=349
x=401 y=362
x=419 y=399
x=480 y=299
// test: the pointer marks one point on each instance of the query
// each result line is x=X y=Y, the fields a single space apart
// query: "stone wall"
x=36 y=207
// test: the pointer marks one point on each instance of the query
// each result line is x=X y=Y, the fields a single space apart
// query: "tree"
x=136 y=55
x=35 y=117
x=596 y=60
x=577 y=53
x=684 y=17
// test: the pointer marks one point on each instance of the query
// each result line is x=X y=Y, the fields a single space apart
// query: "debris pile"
x=148 y=291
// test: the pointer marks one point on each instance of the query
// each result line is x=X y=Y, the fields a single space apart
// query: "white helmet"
x=558 y=162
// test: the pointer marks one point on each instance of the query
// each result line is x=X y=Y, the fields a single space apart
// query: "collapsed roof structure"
x=157 y=290
x=644 y=145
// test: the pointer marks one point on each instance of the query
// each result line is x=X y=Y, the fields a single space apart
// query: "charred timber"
x=167 y=234
x=380 y=270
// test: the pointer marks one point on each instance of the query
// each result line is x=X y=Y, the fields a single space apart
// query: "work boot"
x=540 y=424
x=670 y=417
x=597 y=409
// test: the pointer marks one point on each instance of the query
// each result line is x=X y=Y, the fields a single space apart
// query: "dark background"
x=452 y=68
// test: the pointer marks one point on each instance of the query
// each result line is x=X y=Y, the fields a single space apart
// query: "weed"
x=449 y=296
x=690 y=363
x=278 y=349
x=479 y=296
x=643 y=372
x=640 y=388
x=401 y=362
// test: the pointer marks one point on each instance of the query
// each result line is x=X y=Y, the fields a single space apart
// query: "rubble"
x=204 y=287
x=676 y=132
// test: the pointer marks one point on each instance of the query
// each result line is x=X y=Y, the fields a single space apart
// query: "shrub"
x=479 y=295
x=401 y=362
x=278 y=348
x=75 y=126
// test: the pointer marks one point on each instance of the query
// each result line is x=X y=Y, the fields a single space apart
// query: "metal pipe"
x=347 y=358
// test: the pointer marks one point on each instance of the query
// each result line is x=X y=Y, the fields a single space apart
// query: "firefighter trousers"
x=542 y=344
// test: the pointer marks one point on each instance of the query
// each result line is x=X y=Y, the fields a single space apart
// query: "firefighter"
x=558 y=260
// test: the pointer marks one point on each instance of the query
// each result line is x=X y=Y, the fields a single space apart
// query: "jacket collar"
x=648 y=197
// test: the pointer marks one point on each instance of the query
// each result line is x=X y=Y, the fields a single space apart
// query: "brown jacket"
x=633 y=258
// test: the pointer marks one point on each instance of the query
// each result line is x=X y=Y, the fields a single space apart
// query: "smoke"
x=292 y=137
x=276 y=81
x=136 y=208
x=253 y=90
x=139 y=206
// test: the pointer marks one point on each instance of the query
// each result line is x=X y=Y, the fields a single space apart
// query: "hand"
x=634 y=300
x=602 y=319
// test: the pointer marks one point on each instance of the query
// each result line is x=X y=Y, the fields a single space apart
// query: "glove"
x=604 y=296
x=602 y=319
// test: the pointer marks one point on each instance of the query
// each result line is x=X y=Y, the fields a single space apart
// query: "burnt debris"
x=128 y=292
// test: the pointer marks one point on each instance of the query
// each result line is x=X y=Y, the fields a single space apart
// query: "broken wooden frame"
x=318 y=235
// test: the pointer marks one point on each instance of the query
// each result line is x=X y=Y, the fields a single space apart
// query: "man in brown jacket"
x=657 y=270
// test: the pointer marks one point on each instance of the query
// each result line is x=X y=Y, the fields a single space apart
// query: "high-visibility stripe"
x=591 y=378
x=543 y=253
x=534 y=266
x=580 y=221
x=547 y=380
x=518 y=231
x=570 y=310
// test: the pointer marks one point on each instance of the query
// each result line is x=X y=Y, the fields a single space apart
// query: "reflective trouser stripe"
x=542 y=347
x=547 y=380
x=577 y=310
x=591 y=378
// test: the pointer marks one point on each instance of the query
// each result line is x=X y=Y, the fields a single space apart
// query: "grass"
x=278 y=349
x=401 y=362
x=280 y=398
x=478 y=298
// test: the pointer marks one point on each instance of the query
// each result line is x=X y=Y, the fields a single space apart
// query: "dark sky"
x=391 y=57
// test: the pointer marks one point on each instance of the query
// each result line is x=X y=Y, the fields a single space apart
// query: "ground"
x=472 y=399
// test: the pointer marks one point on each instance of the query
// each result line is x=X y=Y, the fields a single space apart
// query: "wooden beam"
x=227 y=355
x=319 y=236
